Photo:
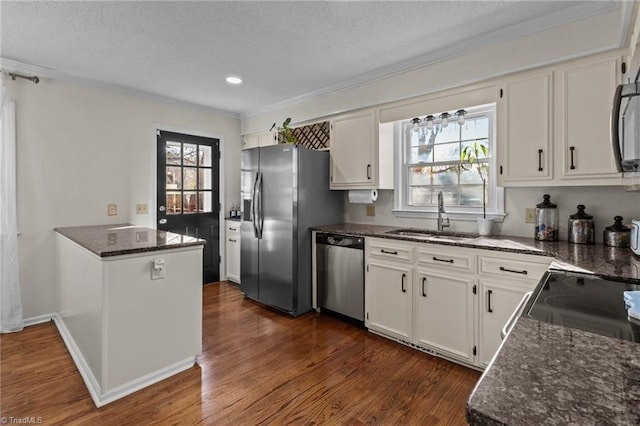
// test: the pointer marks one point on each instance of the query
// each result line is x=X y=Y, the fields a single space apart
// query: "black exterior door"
x=189 y=192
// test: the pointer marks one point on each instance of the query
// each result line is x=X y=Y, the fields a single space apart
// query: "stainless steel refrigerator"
x=285 y=190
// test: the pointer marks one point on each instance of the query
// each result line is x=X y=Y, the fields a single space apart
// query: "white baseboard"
x=101 y=398
x=40 y=319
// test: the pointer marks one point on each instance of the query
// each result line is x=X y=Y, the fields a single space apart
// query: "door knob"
x=162 y=221
x=162 y=208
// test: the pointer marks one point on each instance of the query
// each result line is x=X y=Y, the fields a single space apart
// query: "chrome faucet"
x=442 y=222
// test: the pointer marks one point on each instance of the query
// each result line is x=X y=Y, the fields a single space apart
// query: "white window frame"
x=495 y=208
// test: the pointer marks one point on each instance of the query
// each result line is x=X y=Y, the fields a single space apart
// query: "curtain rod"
x=33 y=79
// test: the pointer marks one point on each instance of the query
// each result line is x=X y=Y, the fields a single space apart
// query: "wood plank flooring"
x=257 y=367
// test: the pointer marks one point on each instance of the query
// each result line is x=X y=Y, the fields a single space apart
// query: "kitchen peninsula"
x=130 y=305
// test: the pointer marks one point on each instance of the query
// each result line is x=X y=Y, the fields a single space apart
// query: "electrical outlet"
x=157 y=269
x=112 y=209
x=371 y=210
x=530 y=216
x=141 y=209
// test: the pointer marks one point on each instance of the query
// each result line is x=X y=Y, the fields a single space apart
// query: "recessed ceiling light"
x=233 y=79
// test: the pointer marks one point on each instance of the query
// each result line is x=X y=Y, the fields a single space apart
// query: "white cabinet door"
x=354 y=149
x=498 y=300
x=233 y=250
x=388 y=299
x=587 y=92
x=267 y=138
x=250 y=141
x=444 y=314
x=525 y=128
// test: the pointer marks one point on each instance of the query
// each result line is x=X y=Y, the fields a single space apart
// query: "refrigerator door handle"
x=253 y=206
x=260 y=209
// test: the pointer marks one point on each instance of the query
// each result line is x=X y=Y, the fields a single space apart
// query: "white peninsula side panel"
x=124 y=330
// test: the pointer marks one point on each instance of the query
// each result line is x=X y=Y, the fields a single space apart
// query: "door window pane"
x=189 y=154
x=190 y=174
x=173 y=153
x=174 y=202
x=205 y=155
x=174 y=178
x=204 y=178
x=189 y=202
x=204 y=202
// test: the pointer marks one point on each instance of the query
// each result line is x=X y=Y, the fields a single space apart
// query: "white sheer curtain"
x=10 y=301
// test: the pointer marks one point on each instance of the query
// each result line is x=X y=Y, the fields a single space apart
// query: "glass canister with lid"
x=618 y=234
x=547 y=220
x=581 y=227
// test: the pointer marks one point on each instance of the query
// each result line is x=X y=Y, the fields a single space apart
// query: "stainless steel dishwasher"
x=340 y=274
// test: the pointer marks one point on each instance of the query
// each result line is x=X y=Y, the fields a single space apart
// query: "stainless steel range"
x=584 y=302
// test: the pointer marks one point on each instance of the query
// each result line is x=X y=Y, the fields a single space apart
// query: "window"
x=429 y=162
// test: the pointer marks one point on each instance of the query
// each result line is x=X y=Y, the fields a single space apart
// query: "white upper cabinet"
x=361 y=152
x=525 y=128
x=587 y=89
x=253 y=140
x=354 y=147
x=554 y=124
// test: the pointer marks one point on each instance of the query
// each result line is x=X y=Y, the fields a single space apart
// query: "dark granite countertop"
x=116 y=240
x=235 y=219
x=547 y=374
x=598 y=259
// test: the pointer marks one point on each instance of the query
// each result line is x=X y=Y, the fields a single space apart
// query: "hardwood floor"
x=257 y=367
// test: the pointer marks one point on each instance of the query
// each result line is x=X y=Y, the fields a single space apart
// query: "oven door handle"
x=514 y=316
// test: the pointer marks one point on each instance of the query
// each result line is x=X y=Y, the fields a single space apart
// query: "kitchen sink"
x=426 y=234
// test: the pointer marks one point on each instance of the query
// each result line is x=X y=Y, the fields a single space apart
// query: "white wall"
x=80 y=148
x=602 y=202
x=588 y=36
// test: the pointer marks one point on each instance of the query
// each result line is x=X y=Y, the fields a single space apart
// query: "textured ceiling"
x=284 y=50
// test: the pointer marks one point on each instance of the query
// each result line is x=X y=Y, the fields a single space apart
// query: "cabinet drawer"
x=384 y=250
x=233 y=227
x=512 y=268
x=436 y=257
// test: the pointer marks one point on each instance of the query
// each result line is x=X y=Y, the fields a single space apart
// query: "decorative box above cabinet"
x=361 y=152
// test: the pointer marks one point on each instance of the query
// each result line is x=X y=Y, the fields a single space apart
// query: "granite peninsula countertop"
x=120 y=239
x=547 y=374
x=598 y=259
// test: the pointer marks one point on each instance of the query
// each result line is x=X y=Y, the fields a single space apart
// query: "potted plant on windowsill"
x=470 y=154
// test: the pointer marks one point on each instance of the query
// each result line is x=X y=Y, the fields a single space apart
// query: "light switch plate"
x=530 y=216
x=112 y=209
x=371 y=210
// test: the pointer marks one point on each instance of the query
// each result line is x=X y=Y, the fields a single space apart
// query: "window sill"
x=451 y=214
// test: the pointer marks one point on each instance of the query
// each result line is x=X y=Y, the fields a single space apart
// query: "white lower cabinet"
x=498 y=300
x=388 y=299
x=435 y=298
x=444 y=313
x=233 y=250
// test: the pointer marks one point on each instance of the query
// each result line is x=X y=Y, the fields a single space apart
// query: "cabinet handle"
x=523 y=272
x=442 y=260
x=424 y=293
x=233 y=240
x=489 y=293
x=395 y=253
x=539 y=160
x=404 y=290
x=572 y=149
x=369 y=171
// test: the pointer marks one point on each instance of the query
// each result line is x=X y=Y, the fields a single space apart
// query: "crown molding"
x=577 y=13
x=8 y=65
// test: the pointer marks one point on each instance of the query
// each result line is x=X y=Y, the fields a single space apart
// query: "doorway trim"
x=153 y=186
